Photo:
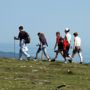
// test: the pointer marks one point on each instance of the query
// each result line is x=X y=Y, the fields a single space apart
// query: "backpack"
x=43 y=39
x=27 y=38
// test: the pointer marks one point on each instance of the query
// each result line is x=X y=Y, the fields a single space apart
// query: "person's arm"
x=74 y=43
x=55 y=46
x=46 y=42
x=40 y=42
x=16 y=38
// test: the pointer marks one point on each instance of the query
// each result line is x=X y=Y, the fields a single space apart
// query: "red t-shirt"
x=65 y=44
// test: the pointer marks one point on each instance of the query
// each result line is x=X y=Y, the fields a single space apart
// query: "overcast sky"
x=46 y=16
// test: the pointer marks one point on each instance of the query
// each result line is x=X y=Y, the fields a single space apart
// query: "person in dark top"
x=59 y=44
x=43 y=45
x=22 y=36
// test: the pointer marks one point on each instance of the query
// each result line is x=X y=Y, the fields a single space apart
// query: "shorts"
x=60 y=47
x=77 y=50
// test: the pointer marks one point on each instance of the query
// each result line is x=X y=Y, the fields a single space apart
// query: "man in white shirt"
x=68 y=35
x=77 y=47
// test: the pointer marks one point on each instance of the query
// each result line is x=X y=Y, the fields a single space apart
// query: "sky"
x=47 y=16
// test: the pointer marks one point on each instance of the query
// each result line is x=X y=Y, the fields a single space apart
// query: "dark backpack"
x=43 y=39
x=27 y=38
x=24 y=35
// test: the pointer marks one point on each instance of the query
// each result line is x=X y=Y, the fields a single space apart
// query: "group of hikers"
x=63 y=45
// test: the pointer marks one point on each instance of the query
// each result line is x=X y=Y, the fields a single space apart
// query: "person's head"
x=39 y=34
x=20 y=28
x=57 y=34
x=67 y=30
x=75 y=34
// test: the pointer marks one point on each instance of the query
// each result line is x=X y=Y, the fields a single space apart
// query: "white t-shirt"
x=68 y=35
x=77 y=41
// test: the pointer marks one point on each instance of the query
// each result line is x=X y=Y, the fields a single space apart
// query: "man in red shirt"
x=65 y=50
x=59 y=43
x=65 y=47
x=62 y=44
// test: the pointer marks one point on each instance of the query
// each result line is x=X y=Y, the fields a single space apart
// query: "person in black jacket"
x=22 y=36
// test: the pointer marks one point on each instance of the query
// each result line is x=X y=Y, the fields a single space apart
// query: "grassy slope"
x=30 y=75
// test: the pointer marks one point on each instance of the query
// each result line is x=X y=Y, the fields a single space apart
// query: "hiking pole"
x=14 y=49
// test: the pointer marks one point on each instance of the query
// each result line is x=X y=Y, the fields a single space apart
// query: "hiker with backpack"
x=42 y=46
x=77 y=47
x=24 y=39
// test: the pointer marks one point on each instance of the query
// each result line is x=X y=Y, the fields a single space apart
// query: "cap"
x=67 y=29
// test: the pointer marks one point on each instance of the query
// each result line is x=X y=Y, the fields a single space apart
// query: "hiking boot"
x=35 y=59
x=53 y=60
x=65 y=62
x=20 y=59
x=81 y=62
x=49 y=60
x=70 y=61
x=28 y=58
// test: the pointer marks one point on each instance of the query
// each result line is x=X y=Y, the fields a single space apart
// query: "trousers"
x=23 y=50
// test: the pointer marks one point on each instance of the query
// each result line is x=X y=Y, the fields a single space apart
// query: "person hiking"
x=43 y=45
x=65 y=50
x=59 y=43
x=24 y=39
x=68 y=36
x=38 y=51
x=77 y=47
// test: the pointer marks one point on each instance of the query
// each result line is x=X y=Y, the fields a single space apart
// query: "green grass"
x=41 y=75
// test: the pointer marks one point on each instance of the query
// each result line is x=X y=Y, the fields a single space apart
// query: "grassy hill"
x=43 y=75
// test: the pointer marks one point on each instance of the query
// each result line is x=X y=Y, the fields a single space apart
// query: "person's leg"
x=45 y=52
x=64 y=54
x=81 y=57
x=68 y=56
x=56 y=55
x=25 y=51
x=42 y=55
x=26 y=54
x=67 y=53
x=68 y=47
x=20 y=54
x=38 y=51
x=73 y=54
